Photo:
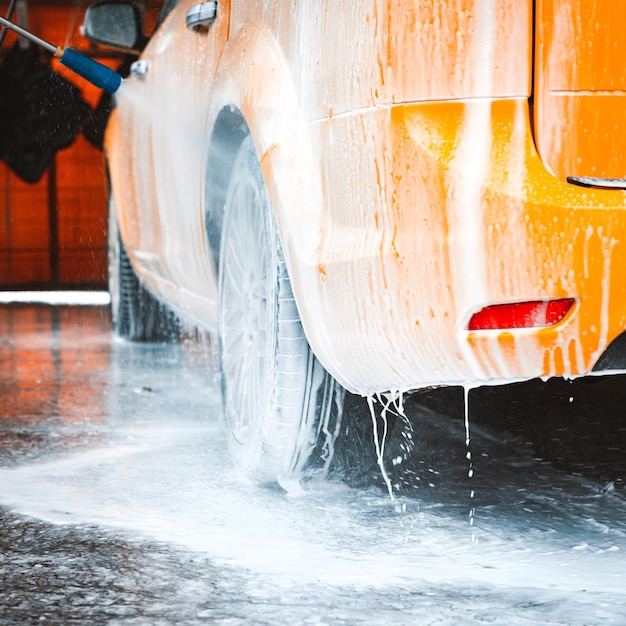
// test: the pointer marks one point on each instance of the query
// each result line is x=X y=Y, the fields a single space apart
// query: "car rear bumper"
x=422 y=214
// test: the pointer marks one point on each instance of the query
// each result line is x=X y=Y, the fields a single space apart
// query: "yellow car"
x=372 y=196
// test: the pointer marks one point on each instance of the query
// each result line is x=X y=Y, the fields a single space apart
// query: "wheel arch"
x=229 y=132
x=255 y=94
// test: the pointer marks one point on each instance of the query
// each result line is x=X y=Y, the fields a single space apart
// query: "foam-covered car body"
x=416 y=156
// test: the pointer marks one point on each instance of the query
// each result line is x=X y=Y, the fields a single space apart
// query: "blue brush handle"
x=100 y=75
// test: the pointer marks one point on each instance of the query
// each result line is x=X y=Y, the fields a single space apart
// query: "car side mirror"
x=117 y=24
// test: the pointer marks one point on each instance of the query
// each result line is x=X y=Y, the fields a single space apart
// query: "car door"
x=163 y=112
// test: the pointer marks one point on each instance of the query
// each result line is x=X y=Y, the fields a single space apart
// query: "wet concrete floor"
x=118 y=504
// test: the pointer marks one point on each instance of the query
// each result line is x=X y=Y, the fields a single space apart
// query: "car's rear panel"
x=436 y=204
x=388 y=295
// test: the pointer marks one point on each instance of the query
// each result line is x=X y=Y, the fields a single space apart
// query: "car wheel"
x=282 y=409
x=135 y=313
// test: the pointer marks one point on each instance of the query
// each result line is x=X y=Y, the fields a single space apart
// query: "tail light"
x=533 y=314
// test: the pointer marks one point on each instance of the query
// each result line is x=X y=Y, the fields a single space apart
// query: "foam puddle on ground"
x=163 y=473
x=176 y=485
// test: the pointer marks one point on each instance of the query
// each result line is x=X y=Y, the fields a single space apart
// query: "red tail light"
x=534 y=314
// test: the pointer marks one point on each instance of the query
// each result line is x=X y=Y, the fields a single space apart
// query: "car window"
x=168 y=5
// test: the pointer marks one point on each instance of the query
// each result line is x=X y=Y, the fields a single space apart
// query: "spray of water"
x=468 y=453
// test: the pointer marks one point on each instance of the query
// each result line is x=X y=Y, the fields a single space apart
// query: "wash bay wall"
x=53 y=232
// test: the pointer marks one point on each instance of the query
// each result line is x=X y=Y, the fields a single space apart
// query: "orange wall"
x=80 y=190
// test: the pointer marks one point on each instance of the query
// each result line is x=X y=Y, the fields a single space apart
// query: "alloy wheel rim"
x=246 y=328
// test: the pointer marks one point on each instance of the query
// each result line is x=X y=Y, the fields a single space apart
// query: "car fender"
x=254 y=79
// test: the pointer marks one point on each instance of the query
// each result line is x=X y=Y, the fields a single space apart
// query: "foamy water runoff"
x=144 y=459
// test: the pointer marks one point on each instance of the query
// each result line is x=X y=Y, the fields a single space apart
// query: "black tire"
x=282 y=409
x=135 y=313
